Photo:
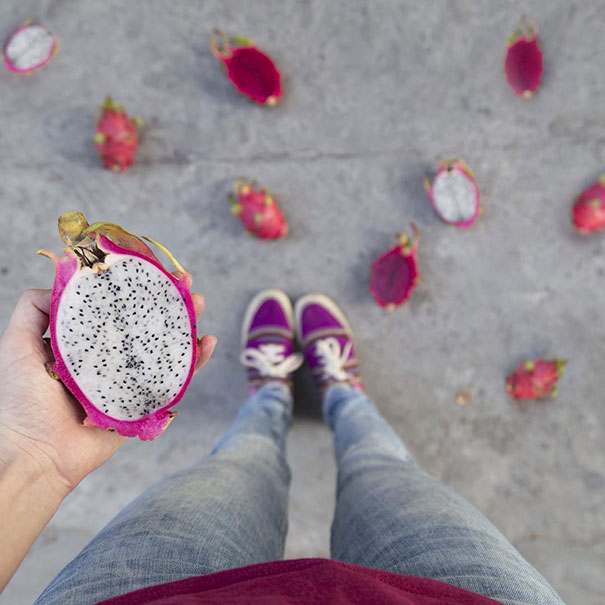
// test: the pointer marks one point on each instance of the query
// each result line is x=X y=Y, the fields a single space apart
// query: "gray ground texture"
x=376 y=95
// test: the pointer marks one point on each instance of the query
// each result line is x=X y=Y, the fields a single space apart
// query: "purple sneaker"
x=268 y=339
x=326 y=338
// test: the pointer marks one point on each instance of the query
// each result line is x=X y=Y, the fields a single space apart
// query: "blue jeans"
x=230 y=510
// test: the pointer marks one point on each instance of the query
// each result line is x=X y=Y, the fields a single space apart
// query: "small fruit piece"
x=454 y=193
x=30 y=47
x=535 y=379
x=464 y=398
x=395 y=274
x=254 y=73
x=257 y=209
x=588 y=212
x=117 y=137
x=122 y=329
x=523 y=64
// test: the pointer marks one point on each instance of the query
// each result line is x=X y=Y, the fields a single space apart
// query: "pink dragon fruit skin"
x=117 y=136
x=523 y=64
x=257 y=210
x=535 y=379
x=29 y=47
x=395 y=274
x=588 y=212
x=146 y=426
x=454 y=194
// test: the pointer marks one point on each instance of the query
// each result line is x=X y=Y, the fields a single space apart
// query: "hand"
x=40 y=421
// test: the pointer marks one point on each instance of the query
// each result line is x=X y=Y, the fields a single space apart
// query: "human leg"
x=229 y=510
x=390 y=514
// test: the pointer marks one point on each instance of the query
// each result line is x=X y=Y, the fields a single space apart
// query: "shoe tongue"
x=270 y=314
x=317 y=317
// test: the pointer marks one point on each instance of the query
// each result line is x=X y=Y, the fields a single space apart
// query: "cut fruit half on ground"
x=30 y=47
x=252 y=71
x=523 y=64
x=395 y=274
x=454 y=194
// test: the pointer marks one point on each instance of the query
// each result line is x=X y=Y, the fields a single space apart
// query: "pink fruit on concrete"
x=523 y=64
x=257 y=209
x=30 y=47
x=253 y=72
x=588 y=212
x=535 y=379
x=117 y=137
x=122 y=328
x=395 y=274
x=454 y=193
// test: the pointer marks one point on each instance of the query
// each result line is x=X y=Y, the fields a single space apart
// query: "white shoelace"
x=269 y=359
x=332 y=358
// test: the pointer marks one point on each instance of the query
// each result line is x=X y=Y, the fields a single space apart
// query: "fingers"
x=186 y=277
x=206 y=346
x=31 y=313
x=198 y=303
x=198 y=299
x=204 y=350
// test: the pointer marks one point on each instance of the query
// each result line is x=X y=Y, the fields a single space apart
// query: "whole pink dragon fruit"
x=535 y=379
x=253 y=72
x=30 y=47
x=122 y=328
x=257 y=209
x=588 y=212
x=117 y=137
x=454 y=194
x=395 y=274
x=523 y=63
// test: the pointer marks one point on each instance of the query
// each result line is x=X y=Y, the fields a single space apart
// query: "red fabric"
x=304 y=581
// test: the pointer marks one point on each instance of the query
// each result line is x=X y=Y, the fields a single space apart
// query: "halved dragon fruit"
x=523 y=64
x=123 y=329
x=253 y=72
x=535 y=379
x=257 y=209
x=30 y=47
x=454 y=193
x=117 y=137
x=588 y=212
x=395 y=274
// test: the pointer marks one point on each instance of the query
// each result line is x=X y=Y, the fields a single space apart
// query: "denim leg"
x=230 y=510
x=392 y=515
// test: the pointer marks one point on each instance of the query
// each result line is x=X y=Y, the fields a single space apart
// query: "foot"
x=268 y=340
x=326 y=338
